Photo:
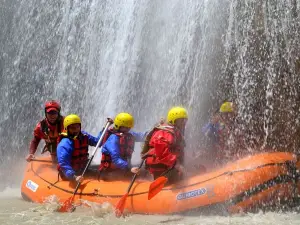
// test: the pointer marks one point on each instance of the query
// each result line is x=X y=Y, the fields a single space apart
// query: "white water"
x=102 y=57
x=14 y=210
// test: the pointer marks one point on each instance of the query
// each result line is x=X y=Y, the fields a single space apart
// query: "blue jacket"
x=112 y=147
x=65 y=150
x=212 y=131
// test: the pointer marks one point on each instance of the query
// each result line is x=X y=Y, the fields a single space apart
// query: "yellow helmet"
x=226 y=107
x=124 y=120
x=71 y=119
x=176 y=113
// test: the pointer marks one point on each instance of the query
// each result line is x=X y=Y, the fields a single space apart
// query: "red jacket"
x=166 y=145
x=48 y=132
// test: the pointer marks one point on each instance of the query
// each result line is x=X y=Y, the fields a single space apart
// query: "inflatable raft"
x=251 y=182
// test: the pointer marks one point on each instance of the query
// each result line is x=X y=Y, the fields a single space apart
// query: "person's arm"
x=207 y=129
x=64 y=155
x=37 y=137
x=112 y=147
x=92 y=140
x=34 y=144
x=139 y=136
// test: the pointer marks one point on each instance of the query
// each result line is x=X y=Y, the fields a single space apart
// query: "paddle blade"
x=120 y=206
x=156 y=186
x=67 y=206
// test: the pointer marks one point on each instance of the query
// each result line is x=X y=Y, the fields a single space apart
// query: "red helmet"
x=52 y=106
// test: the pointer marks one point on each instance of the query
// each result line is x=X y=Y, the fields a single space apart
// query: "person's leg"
x=54 y=158
x=173 y=176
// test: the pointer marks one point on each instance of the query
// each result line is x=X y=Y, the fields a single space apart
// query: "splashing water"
x=99 y=58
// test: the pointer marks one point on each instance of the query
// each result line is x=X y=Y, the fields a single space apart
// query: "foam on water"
x=14 y=211
x=102 y=57
x=10 y=192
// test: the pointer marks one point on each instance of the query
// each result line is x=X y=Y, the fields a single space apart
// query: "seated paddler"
x=118 y=144
x=72 y=150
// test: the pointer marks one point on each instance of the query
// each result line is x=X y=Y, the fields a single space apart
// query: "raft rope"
x=293 y=175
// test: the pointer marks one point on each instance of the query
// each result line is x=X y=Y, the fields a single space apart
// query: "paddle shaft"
x=41 y=160
x=121 y=203
x=134 y=177
x=95 y=149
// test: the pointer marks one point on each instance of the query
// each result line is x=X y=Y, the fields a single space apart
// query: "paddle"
x=41 y=160
x=121 y=203
x=68 y=204
x=156 y=186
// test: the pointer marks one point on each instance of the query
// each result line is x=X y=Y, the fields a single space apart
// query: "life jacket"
x=126 y=142
x=80 y=154
x=176 y=148
x=51 y=134
x=222 y=144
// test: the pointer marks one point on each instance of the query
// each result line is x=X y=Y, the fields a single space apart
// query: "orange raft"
x=266 y=179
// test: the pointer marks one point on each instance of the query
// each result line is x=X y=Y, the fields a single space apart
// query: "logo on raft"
x=191 y=194
x=32 y=186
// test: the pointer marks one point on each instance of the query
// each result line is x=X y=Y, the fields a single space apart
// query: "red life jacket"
x=80 y=154
x=126 y=143
x=50 y=134
x=175 y=147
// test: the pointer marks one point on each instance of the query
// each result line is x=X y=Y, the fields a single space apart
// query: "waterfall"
x=99 y=58
x=262 y=54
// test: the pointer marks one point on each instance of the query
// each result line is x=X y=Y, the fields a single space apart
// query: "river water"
x=99 y=58
x=14 y=210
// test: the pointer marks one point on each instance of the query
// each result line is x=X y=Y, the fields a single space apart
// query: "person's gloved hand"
x=29 y=157
x=135 y=170
x=78 y=179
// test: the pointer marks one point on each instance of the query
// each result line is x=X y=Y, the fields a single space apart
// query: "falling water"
x=99 y=58
x=102 y=57
x=262 y=71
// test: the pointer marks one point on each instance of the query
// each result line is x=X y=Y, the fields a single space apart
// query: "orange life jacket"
x=126 y=142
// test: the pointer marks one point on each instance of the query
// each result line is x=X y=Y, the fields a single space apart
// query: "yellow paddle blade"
x=156 y=186
x=120 y=206
x=67 y=206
